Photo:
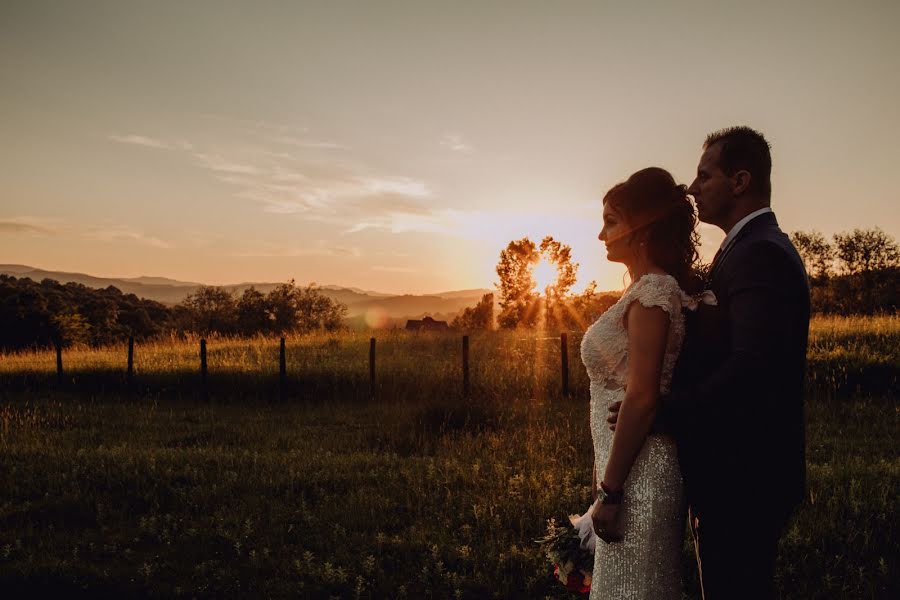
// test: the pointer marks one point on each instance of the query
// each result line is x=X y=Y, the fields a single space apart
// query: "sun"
x=544 y=275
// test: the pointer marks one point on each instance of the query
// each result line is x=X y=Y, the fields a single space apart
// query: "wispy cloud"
x=454 y=141
x=58 y=228
x=139 y=140
x=223 y=165
x=19 y=227
x=120 y=233
x=403 y=186
x=272 y=250
x=406 y=222
x=332 y=190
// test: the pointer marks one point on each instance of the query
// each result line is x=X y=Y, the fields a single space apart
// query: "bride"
x=629 y=353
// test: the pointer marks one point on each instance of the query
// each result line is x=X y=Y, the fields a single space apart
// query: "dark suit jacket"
x=737 y=400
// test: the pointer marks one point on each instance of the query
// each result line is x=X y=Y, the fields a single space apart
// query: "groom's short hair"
x=745 y=149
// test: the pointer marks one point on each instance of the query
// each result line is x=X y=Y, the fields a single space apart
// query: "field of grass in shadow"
x=174 y=498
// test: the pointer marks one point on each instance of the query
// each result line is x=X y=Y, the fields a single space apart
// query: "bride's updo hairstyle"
x=663 y=223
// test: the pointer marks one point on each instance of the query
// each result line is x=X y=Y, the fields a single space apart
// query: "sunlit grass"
x=843 y=353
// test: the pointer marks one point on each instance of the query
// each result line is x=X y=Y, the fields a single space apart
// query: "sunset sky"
x=398 y=146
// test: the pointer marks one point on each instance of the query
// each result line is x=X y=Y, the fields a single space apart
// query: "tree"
x=866 y=250
x=253 y=315
x=294 y=309
x=519 y=303
x=71 y=328
x=282 y=311
x=869 y=259
x=316 y=311
x=480 y=316
x=560 y=257
x=816 y=252
x=517 y=298
x=211 y=309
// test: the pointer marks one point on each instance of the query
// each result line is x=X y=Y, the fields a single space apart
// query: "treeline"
x=856 y=272
x=42 y=314
x=285 y=309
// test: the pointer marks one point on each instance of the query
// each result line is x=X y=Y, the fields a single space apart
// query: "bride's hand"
x=607 y=522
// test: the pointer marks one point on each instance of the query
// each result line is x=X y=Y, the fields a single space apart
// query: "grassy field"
x=107 y=489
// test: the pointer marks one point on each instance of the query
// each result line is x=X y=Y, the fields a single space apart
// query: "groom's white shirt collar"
x=740 y=225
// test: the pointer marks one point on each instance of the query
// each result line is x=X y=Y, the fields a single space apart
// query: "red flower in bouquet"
x=576 y=581
x=572 y=564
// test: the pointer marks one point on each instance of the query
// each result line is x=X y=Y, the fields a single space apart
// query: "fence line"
x=372 y=367
x=465 y=358
x=129 y=374
x=282 y=366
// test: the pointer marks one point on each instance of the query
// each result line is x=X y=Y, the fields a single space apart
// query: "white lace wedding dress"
x=647 y=563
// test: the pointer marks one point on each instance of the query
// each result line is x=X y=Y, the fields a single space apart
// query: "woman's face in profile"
x=615 y=234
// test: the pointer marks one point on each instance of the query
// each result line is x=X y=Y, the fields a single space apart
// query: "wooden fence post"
x=466 y=365
x=372 y=366
x=203 y=371
x=282 y=372
x=129 y=374
x=564 y=351
x=59 y=365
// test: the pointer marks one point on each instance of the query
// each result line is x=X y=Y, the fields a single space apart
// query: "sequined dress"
x=647 y=563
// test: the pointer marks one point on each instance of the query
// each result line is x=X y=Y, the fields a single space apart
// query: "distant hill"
x=159 y=281
x=396 y=308
x=168 y=293
x=464 y=293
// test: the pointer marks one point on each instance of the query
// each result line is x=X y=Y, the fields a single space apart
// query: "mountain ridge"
x=360 y=303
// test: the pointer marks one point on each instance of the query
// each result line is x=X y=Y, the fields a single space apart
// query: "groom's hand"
x=607 y=522
x=614 y=414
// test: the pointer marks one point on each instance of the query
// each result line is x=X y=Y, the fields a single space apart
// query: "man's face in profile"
x=712 y=189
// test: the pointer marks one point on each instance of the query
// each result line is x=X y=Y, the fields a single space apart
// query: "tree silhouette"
x=298 y=310
x=869 y=258
x=816 y=252
x=866 y=250
x=253 y=312
x=519 y=302
x=560 y=257
x=480 y=316
x=516 y=286
x=211 y=309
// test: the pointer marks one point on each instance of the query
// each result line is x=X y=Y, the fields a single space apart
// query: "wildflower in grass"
x=368 y=565
x=360 y=586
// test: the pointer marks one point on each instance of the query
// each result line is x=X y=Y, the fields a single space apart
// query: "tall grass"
x=846 y=355
x=106 y=491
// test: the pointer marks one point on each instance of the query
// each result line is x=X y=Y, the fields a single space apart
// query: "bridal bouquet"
x=570 y=549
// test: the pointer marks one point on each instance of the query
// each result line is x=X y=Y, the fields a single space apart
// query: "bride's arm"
x=647 y=333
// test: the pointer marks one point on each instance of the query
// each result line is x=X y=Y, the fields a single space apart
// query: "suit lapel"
x=763 y=220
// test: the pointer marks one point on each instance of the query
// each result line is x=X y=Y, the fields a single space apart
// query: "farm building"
x=426 y=324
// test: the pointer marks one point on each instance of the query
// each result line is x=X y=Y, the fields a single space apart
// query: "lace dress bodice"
x=604 y=347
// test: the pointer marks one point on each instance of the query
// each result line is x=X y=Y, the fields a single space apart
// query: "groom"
x=737 y=403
